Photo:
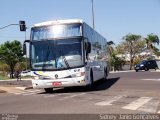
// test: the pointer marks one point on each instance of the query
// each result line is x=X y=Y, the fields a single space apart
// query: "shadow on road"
x=103 y=85
x=98 y=86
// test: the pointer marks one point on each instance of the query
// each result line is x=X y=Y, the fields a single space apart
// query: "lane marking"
x=151 y=79
x=71 y=96
x=49 y=96
x=122 y=71
x=53 y=95
x=31 y=91
x=109 y=101
x=137 y=103
x=150 y=107
x=21 y=88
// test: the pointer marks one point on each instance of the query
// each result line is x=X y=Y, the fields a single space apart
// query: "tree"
x=116 y=62
x=110 y=49
x=132 y=45
x=11 y=53
x=4 y=67
x=110 y=46
x=151 y=40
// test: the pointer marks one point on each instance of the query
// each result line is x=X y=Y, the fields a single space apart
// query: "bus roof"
x=68 y=21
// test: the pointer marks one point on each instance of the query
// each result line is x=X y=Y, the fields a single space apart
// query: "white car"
x=26 y=73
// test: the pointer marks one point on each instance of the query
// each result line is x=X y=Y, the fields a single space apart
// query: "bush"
x=117 y=62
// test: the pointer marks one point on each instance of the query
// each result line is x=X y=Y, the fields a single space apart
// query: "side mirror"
x=88 y=47
x=24 y=46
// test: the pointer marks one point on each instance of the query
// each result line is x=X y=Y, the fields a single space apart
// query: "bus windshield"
x=56 y=54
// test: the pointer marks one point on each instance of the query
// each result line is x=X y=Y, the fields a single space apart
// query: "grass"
x=3 y=77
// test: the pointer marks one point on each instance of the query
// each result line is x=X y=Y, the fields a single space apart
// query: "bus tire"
x=91 y=79
x=48 y=90
x=90 y=85
x=105 y=74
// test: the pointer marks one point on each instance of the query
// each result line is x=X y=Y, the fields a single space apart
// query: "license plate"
x=56 y=83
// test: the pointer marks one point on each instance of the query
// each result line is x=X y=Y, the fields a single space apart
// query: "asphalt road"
x=124 y=93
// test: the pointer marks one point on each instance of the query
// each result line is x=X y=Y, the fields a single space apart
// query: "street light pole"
x=92 y=14
x=26 y=51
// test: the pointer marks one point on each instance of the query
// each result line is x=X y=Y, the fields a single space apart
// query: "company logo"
x=56 y=76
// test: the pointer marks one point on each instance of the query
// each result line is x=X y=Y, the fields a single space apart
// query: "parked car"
x=26 y=73
x=146 y=65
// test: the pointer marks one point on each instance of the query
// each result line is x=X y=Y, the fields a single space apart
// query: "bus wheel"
x=48 y=90
x=89 y=87
x=91 y=79
x=105 y=74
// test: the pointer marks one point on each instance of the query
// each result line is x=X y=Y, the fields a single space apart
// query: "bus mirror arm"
x=27 y=41
x=88 y=47
x=24 y=46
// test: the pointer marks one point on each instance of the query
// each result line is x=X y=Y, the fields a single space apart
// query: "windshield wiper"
x=66 y=62
x=64 y=58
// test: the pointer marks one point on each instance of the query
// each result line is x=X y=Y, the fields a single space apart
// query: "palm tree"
x=110 y=47
x=131 y=43
x=151 y=40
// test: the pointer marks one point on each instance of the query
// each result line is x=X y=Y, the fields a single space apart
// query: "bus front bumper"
x=58 y=83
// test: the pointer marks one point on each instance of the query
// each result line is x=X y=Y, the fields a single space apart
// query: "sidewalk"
x=122 y=71
x=23 y=84
x=158 y=70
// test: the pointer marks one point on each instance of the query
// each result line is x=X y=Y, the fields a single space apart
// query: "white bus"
x=66 y=53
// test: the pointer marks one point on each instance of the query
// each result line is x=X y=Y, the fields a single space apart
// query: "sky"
x=113 y=18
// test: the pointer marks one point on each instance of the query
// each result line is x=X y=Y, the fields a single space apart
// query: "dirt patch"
x=2 y=91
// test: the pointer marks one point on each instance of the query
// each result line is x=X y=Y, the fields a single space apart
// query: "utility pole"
x=92 y=14
x=26 y=51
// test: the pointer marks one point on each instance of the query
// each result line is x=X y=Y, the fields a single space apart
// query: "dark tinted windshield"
x=56 y=54
x=143 y=62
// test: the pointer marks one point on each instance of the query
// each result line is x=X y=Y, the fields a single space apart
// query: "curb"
x=121 y=71
x=156 y=71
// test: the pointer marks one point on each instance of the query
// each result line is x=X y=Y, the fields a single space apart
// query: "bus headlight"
x=79 y=74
